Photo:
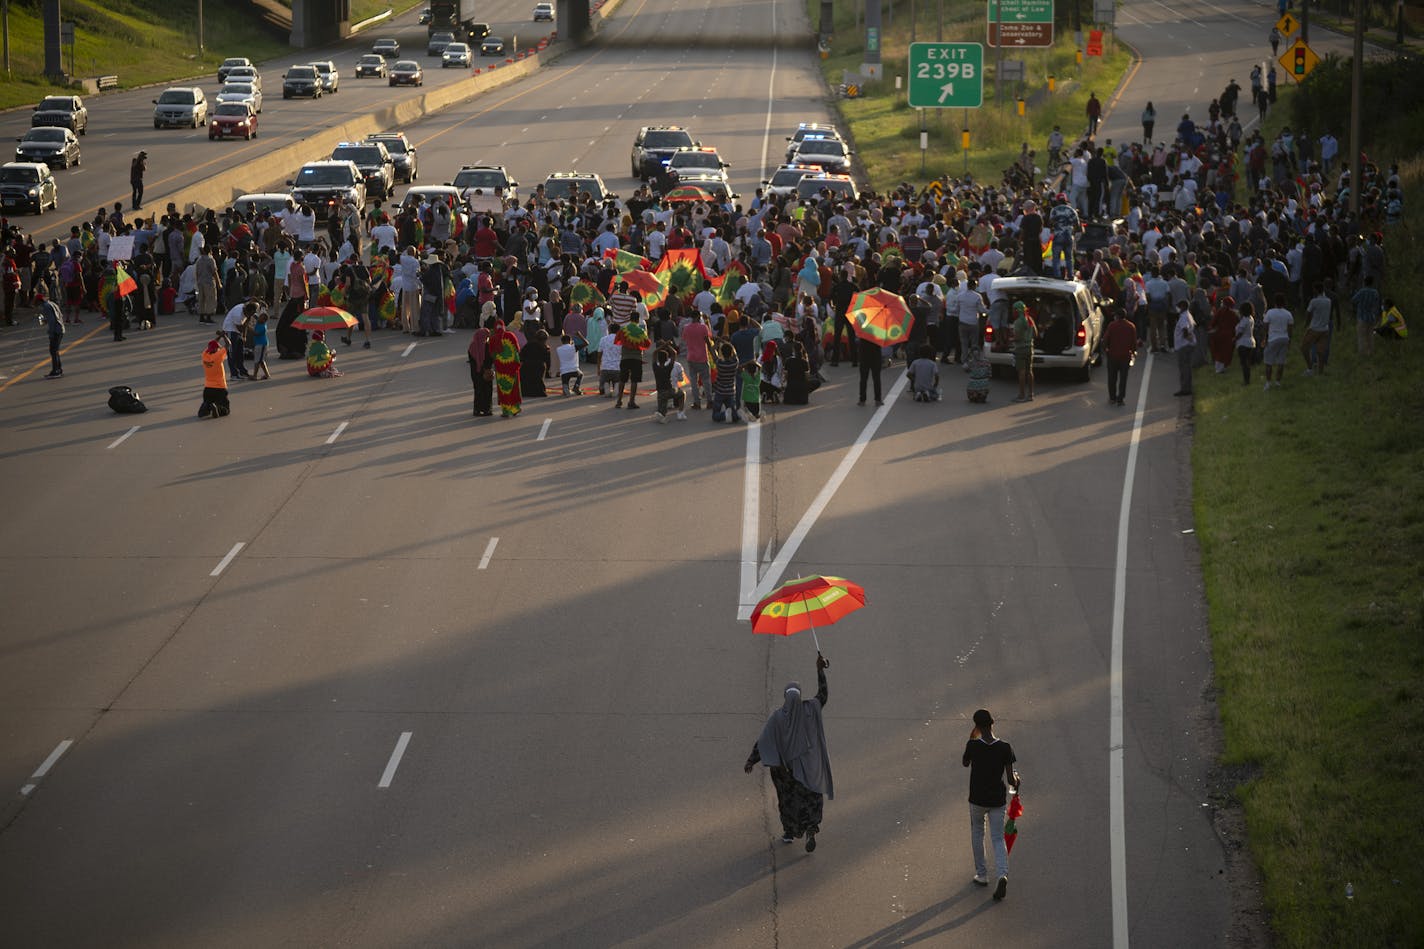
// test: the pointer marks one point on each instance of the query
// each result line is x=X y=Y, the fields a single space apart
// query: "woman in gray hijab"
x=793 y=746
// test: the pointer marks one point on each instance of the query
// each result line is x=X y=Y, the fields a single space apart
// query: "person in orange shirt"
x=215 y=402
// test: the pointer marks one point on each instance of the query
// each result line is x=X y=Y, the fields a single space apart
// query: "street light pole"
x=5 y=29
x=200 y=27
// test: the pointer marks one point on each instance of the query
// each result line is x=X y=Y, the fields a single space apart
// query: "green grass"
x=886 y=130
x=141 y=42
x=1311 y=519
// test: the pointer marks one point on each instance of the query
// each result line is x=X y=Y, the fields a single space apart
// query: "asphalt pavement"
x=350 y=667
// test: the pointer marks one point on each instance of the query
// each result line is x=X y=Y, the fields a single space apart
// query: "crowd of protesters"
x=1214 y=227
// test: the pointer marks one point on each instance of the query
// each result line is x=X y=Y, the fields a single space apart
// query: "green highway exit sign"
x=946 y=75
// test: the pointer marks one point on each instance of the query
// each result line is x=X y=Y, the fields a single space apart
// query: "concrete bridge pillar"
x=317 y=22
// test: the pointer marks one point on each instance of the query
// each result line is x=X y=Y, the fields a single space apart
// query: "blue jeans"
x=1061 y=250
x=996 y=834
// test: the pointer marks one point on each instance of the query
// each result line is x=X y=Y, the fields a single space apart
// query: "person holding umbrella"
x=991 y=763
x=793 y=746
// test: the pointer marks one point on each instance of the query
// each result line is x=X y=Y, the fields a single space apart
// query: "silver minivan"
x=179 y=106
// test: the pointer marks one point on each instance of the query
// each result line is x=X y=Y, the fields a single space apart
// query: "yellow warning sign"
x=1288 y=25
x=1299 y=60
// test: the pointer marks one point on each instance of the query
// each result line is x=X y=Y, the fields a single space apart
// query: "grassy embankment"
x=1311 y=517
x=887 y=131
x=141 y=42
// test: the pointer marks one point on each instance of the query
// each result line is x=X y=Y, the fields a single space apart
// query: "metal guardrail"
x=106 y=82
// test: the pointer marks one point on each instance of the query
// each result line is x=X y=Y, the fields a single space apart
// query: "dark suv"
x=374 y=163
x=301 y=81
x=655 y=145
x=66 y=111
x=325 y=185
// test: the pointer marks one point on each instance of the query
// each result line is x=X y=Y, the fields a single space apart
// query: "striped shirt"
x=622 y=307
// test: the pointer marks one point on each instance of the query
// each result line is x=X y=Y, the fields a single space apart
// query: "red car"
x=231 y=120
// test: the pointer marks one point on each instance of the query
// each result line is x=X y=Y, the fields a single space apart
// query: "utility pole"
x=5 y=29
x=200 y=27
x=1357 y=82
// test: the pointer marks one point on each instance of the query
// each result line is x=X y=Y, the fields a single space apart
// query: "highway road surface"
x=352 y=668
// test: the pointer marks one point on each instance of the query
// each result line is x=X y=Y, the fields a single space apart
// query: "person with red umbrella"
x=793 y=746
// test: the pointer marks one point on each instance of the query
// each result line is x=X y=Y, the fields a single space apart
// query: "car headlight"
x=34 y=192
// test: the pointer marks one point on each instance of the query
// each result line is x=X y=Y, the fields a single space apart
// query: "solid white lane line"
x=408 y=350
x=1117 y=823
x=544 y=429
x=770 y=99
x=773 y=573
x=222 y=564
x=396 y=754
x=336 y=434
x=48 y=763
x=751 y=520
x=124 y=437
x=489 y=552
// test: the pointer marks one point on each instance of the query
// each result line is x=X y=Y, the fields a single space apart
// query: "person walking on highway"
x=793 y=746
x=1184 y=345
x=137 y=167
x=1024 y=333
x=1149 y=122
x=1119 y=344
x=1094 y=109
x=52 y=318
x=990 y=761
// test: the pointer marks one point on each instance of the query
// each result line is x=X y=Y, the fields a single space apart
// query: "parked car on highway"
x=491 y=46
x=561 y=184
x=407 y=72
x=231 y=63
x=810 y=186
x=244 y=74
x=371 y=64
x=301 y=81
x=28 y=185
x=715 y=185
x=430 y=194
x=235 y=91
x=50 y=145
x=261 y=201
x=402 y=154
x=325 y=185
x=824 y=152
x=231 y=119
x=374 y=162
x=455 y=54
x=438 y=41
x=487 y=178
x=808 y=128
x=180 y=106
x=543 y=11
x=386 y=47
x=655 y=144
x=698 y=160
x=67 y=111
x=783 y=181
x=1067 y=315
x=330 y=78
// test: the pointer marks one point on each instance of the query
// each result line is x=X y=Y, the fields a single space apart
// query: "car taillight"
x=1082 y=338
x=988 y=334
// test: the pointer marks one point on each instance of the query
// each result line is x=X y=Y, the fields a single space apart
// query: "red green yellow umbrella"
x=806 y=603
x=880 y=316
x=651 y=287
x=688 y=193
x=325 y=318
